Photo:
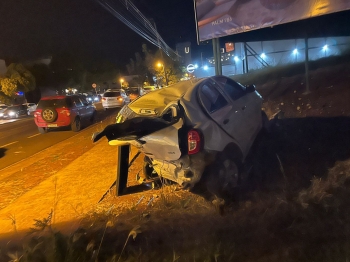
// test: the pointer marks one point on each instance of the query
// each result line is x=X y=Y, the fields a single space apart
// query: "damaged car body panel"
x=182 y=128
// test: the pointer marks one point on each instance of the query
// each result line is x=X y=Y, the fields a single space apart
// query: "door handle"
x=226 y=121
x=244 y=107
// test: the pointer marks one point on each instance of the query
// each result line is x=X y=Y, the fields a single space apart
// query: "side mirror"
x=250 y=88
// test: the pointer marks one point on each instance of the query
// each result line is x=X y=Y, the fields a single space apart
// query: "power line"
x=138 y=23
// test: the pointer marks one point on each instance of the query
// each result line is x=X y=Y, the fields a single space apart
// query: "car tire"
x=76 y=125
x=49 y=114
x=224 y=177
x=43 y=130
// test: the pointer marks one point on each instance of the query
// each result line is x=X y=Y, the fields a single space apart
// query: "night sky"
x=35 y=28
x=31 y=29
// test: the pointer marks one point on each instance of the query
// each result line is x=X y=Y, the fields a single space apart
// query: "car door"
x=77 y=106
x=228 y=114
x=23 y=110
x=248 y=107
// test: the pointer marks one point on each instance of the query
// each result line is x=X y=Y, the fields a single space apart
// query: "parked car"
x=113 y=98
x=63 y=110
x=2 y=109
x=31 y=107
x=147 y=89
x=185 y=128
x=15 y=111
x=133 y=93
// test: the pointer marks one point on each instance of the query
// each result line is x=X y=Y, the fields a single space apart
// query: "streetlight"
x=166 y=78
x=121 y=82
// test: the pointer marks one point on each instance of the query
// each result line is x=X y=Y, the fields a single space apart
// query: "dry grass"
x=300 y=211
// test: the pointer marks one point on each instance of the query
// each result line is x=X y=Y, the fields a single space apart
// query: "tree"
x=147 y=66
x=17 y=78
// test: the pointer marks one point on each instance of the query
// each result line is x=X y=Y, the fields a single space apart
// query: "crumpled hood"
x=157 y=100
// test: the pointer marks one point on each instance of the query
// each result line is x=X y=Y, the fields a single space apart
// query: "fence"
x=274 y=53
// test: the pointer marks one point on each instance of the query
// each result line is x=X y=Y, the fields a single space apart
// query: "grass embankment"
x=298 y=212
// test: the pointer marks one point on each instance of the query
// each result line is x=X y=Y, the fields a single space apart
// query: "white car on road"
x=113 y=98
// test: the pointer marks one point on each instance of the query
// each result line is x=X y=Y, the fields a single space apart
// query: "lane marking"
x=9 y=144
x=33 y=135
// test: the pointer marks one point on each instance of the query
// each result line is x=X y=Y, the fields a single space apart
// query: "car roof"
x=57 y=97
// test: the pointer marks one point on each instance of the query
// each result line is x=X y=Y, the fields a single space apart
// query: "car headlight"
x=11 y=113
x=96 y=98
x=1 y=114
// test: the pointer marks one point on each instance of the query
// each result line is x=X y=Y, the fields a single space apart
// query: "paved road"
x=20 y=138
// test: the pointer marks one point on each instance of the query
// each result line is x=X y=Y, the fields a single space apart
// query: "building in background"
x=184 y=52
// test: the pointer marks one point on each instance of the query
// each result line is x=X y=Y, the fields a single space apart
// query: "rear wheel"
x=43 y=130
x=76 y=125
x=224 y=177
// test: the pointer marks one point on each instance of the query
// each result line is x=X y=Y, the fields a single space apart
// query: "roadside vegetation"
x=296 y=210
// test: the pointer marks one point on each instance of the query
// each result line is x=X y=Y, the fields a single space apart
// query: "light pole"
x=121 y=82
x=165 y=76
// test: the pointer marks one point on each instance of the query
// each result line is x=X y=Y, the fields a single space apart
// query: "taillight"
x=104 y=99
x=120 y=99
x=194 y=142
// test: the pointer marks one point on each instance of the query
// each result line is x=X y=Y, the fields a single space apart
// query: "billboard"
x=217 y=18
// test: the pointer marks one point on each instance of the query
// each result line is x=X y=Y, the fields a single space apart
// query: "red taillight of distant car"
x=194 y=142
x=104 y=99
x=120 y=99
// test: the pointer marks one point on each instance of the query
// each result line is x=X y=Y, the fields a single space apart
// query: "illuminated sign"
x=190 y=68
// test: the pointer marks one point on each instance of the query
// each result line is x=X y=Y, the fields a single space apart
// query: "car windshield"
x=12 y=108
x=112 y=94
x=53 y=103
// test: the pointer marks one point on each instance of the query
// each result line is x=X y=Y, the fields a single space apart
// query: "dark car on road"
x=58 y=111
x=15 y=111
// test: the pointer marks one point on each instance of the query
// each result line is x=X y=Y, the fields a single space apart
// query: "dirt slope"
x=295 y=209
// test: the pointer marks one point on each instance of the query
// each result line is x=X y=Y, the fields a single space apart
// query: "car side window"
x=211 y=98
x=232 y=88
x=77 y=102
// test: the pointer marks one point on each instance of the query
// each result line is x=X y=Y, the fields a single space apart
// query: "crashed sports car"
x=185 y=127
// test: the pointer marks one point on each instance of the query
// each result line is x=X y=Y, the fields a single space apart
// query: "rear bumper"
x=41 y=123
x=112 y=105
x=187 y=171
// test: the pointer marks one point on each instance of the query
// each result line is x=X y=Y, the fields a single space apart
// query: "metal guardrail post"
x=122 y=169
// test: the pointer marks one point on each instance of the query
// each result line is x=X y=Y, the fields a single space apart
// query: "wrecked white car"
x=185 y=127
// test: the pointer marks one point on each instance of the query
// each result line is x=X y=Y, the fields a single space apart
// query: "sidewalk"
x=70 y=193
